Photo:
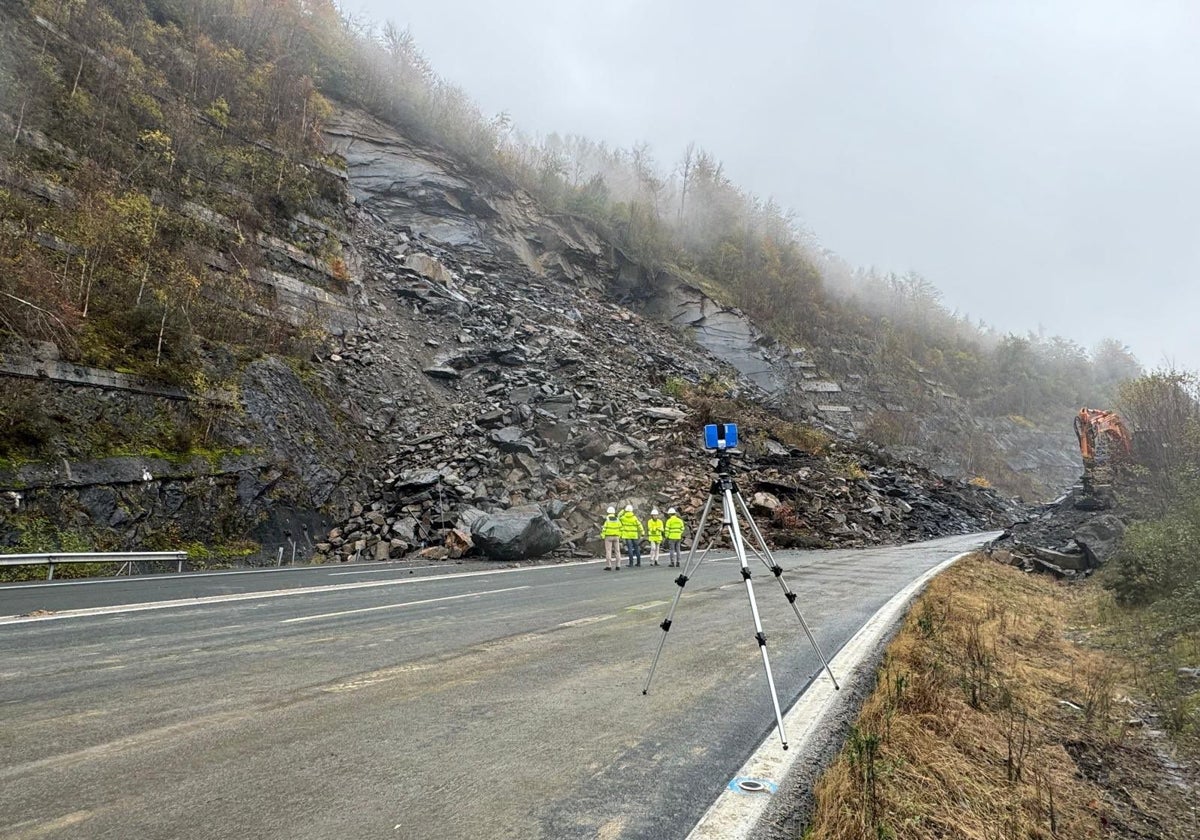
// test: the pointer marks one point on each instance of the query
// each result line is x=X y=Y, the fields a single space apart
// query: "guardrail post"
x=50 y=569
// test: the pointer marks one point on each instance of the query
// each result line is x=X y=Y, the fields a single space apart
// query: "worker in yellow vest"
x=673 y=531
x=610 y=532
x=654 y=533
x=632 y=533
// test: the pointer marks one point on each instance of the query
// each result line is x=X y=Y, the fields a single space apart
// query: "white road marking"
x=579 y=622
x=251 y=596
x=403 y=604
x=152 y=578
x=383 y=569
x=734 y=815
x=649 y=605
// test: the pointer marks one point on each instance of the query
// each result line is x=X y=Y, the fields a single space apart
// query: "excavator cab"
x=1102 y=436
x=1104 y=443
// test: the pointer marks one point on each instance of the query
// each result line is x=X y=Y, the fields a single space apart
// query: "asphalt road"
x=395 y=702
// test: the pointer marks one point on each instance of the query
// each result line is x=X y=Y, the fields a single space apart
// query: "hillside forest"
x=133 y=114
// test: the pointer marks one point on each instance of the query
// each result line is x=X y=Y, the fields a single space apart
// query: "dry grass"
x=982 y=710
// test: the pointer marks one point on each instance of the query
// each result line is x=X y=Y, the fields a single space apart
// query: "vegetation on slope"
x=992 y=720
x=147 y=155
x=1012 y=706
x=122 y=117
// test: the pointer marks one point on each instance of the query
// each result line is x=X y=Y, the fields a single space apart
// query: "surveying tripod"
x=726 y=489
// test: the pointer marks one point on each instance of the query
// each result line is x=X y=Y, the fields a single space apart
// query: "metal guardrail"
x=126 y=558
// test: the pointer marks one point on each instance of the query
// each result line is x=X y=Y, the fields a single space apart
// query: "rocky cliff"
x=482 y=356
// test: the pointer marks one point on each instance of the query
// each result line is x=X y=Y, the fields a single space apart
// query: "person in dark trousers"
x=632 y=533
x=673 y=532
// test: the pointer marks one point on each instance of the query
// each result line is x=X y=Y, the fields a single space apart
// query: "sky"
x=1039 y=162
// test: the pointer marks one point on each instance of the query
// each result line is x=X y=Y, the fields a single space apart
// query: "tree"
x=1163 y=408
x=1114 y=363
x=685 y=174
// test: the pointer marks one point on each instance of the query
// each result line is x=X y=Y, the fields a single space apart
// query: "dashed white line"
x=252 y=596
x=592 y=619
x=402 y=604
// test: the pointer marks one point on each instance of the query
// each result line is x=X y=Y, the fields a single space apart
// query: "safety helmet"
x=654 y=512
x=671 y=510
x=629 y=508
x=612 y=509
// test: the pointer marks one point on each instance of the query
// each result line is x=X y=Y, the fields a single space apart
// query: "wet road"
x=393 y=702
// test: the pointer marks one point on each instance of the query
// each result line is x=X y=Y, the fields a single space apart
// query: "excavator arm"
x=1102 y=436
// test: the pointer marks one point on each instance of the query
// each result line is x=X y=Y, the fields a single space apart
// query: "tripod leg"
x=761 y=637
x=777 y=570
x=681 y=581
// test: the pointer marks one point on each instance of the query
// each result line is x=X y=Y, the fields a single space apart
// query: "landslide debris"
x=1068 y=537
x=484 y=387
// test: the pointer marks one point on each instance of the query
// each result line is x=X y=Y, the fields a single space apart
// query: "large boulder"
x=515 y=534
x=1100 y=537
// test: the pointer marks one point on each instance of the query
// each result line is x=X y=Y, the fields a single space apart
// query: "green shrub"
x=1160 y=559
x=24 y=429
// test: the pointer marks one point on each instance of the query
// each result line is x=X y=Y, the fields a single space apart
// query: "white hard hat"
x=670 y=510
x=629 y=508
x=612 y=509
x=654 y=512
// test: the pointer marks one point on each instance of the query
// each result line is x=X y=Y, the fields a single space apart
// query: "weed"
x=931 y=616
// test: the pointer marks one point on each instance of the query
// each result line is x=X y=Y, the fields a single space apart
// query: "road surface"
x=392 y=702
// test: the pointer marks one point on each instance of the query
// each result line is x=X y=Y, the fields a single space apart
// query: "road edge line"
x=735 y=814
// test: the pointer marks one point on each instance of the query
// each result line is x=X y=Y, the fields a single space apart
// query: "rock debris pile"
x=502 y=412
x=1070 y=537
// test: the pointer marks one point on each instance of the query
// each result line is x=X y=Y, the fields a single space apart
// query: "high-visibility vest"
x=674 y=527
x=631 y=526
x=654 y=530
x=611 y=527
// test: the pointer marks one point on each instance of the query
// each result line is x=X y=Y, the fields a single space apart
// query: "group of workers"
x=627 y=528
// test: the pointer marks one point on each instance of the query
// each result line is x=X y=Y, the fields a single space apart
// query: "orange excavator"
x=1103 y=438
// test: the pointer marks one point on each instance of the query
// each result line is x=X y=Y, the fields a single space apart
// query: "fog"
x=1035 y=162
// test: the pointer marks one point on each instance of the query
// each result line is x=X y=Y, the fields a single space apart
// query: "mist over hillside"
x=203 y=212
x=1028 y=162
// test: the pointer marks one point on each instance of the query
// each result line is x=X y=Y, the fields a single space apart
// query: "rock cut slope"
x=494 y=368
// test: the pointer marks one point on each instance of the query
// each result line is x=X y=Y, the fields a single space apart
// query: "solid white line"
x=251 y=596
x=383 y=569
x=152 y=578
x=404 y=604
x=734 y=815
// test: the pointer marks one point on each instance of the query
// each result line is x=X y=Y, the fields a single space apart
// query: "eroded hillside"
x=239 y=312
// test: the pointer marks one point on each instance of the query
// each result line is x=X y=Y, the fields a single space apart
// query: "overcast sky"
x=1038 y=161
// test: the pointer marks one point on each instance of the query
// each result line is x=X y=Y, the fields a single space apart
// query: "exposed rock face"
x=438 y=198
x=482 y=366
x=443 y=202
x=277 y=463
x=726 y=333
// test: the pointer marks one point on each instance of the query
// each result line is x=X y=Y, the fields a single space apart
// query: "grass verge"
x=991 y=720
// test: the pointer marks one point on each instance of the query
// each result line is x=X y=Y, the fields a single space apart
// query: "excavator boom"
x=1102 y=436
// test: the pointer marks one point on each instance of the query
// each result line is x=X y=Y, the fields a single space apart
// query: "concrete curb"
x=735 y=814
